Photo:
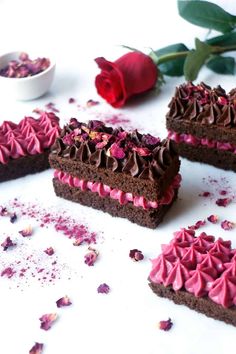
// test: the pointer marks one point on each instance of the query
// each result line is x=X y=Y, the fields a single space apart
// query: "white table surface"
x=126 y=319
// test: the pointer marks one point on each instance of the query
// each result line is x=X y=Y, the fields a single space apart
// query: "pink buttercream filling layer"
x=105 y=191
x=193 y=140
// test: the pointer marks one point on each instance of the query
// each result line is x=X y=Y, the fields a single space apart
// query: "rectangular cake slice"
x=202 y=122
x=126 y=174
x=24 y=147
x=199 y=272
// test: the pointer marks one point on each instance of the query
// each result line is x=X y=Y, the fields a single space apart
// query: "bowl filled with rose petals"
x=24 y=78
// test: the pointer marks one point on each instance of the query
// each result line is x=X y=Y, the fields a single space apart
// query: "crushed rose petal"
x=38 y=111
x=91 y=257
x=103 y=289
x=37 y=348
x=136 y=255
x=13 y=218
x=47 y=320
x=213 y=218
x=117 y=151
x=142 y=151
x=63 y=301
x=91 y=103
x=197 y=225
x=7 y=243
x=49 y=251
x=227 y=225
x=71 y=100
x=223 y=202
x=3 y=211
x=204 y=194
x=28 y=231
x=165 y=325
x=8 y=272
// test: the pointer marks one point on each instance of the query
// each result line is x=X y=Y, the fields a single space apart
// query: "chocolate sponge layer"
x=200 y=304
x=149 y=218
x=23 y=166
x=216 y=157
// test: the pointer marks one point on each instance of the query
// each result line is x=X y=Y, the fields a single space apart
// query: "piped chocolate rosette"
x=199 y=272
x=127 y=174
x=202 y=122
x=24 y=147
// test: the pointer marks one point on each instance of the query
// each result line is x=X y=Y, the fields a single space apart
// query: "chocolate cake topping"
x=209 y=106
x=141 y=155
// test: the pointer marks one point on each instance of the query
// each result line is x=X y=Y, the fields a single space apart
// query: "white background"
x=124 y=321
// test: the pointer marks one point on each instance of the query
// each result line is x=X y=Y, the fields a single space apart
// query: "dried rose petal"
x=142 y=151
x=3 y=211
x=223 y=192
x=136 y=255
x=13 y=218
x=91 y=257
x=117 y=151
x=204 y=194
x=227 y=225
x=103 y=289
x=165 y=325
x=49 y=251
x=223 y=202
x=36 y=349
x=91 y=103
x=8 y=272
x=148 y=139
x=213 y=219
x=47 y=320
x=71 y=100
x=222 y=100
x=28 y=231
x=197 y=225
x=78 y=241
x=7 y=243
x=63 y=301
x=38 y=111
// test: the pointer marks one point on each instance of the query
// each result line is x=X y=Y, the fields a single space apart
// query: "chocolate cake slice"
x=126 y=174
x=202 y=122
x=199 y=272
x=24 y=147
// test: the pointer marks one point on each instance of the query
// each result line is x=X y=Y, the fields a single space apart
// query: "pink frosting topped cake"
x=24 y=147
x=199 y=272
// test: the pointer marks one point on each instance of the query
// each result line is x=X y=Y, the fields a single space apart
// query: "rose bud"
x=131 y=74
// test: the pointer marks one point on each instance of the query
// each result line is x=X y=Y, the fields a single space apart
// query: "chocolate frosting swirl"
x=201 y=103
x=140 y=155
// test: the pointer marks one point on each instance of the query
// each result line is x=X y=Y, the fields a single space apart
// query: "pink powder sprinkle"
x=36 y=349
x=116 y=119
x=213 y=219
x=227 y=225
x=103 y=289
x=197 y=225
x=223 y=202
x=49 y=251
x=47 y=321
x=63 y=301
x=165 y=325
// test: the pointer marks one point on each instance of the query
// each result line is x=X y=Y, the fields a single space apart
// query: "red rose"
x=131 y=74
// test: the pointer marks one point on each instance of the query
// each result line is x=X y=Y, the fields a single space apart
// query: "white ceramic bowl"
x=27 y=88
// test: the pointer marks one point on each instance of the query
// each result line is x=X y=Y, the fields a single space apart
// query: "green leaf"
x=224 y=40
x=196 y=59
x=221 y=65
x=206 y=14
x=172 y=67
